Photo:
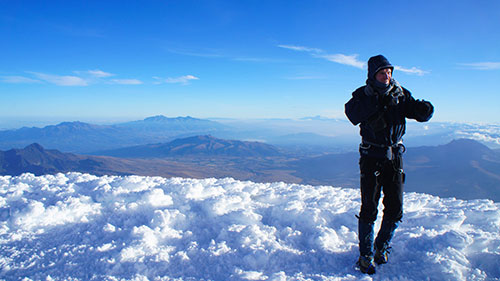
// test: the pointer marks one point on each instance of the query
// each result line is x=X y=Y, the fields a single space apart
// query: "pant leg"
x=393 y=177
x=370 y=188
x=385 y=234
x=370 y=196
x=365 y=235
x=393 y=202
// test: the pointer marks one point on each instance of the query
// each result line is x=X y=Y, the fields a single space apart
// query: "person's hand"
x=423 y=107
x=390 y=100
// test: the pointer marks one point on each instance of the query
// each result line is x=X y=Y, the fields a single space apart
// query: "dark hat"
x=377 y=63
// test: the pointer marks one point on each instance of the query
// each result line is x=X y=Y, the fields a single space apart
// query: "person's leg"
x=365 y=234
x=370 y=195
x=393 y=207
x=384 y=237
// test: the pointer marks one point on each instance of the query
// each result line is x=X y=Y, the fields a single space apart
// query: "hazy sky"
x=107 y=60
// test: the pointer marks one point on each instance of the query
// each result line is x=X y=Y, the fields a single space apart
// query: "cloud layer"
x=349 y=60
x=482 y=65
x=184 y=80
x=88 y=77
x=59 y=80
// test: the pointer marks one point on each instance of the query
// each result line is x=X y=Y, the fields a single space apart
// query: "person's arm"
x=360 y=107
x=420 y=110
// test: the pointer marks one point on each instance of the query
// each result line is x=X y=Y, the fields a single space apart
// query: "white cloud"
x=301 y=48
x=482 y=65
x=99 y=73
x=412 y=70
x=126 y=81
x=18 y=80
x=61 y=80
x=83 y=78
x=89 y=77
x=351 y=60
x=181 y=80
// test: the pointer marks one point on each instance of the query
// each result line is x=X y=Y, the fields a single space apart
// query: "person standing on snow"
x=380 y=108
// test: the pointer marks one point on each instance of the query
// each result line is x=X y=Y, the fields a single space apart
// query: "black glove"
x=423 y=108
x=390 y=99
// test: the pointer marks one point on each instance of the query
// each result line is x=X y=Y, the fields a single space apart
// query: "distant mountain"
x=82 y=137
x=302 y=137
x=438 y=133
x=178 y=124
x=463 y=168
x=68 y=136
x=205 y=145
x=37 y=160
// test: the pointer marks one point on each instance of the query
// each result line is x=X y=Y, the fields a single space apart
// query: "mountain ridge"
x=81 y=137
x=34 y=158
x=306 y=136
x=471 y=175
x=204 y=145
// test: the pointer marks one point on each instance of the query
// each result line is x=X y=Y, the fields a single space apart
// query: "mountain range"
x=302 y=137
x=82 y=137
x=463 y=168
x=205 y=145
x=39 y=161
x=35 y=159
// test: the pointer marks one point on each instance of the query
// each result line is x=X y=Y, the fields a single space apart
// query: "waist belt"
x=381 y=150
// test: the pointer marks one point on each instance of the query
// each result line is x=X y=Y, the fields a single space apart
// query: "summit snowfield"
x=82 y=227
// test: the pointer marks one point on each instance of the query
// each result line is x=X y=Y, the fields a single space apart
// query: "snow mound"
x=83 y=227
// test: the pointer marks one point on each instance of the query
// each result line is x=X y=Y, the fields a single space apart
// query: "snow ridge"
x=82 y=227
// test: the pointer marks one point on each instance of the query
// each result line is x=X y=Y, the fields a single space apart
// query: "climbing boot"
x=366 y=264
x=381 y=255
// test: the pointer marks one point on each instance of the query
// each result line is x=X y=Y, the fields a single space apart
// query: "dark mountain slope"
x=462 y=168
x=37 y=160
x=79 y=137
x=196 y=146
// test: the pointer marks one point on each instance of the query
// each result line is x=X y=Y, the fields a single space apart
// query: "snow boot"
x=366 y=264
x=381 y=255
x=383 y=239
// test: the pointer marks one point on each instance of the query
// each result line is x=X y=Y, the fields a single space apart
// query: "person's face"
x=384 y=76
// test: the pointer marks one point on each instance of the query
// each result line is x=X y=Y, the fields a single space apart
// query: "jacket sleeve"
x=420 y=110
x=360 y=107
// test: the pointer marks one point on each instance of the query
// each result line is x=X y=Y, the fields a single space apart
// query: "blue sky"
x=125 y=60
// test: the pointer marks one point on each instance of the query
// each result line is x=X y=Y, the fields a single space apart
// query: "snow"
x=83 y=227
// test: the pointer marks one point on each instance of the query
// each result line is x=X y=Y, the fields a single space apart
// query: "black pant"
x=381 y=175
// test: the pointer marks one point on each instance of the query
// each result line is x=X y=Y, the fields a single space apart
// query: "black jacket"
x=382 y=119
